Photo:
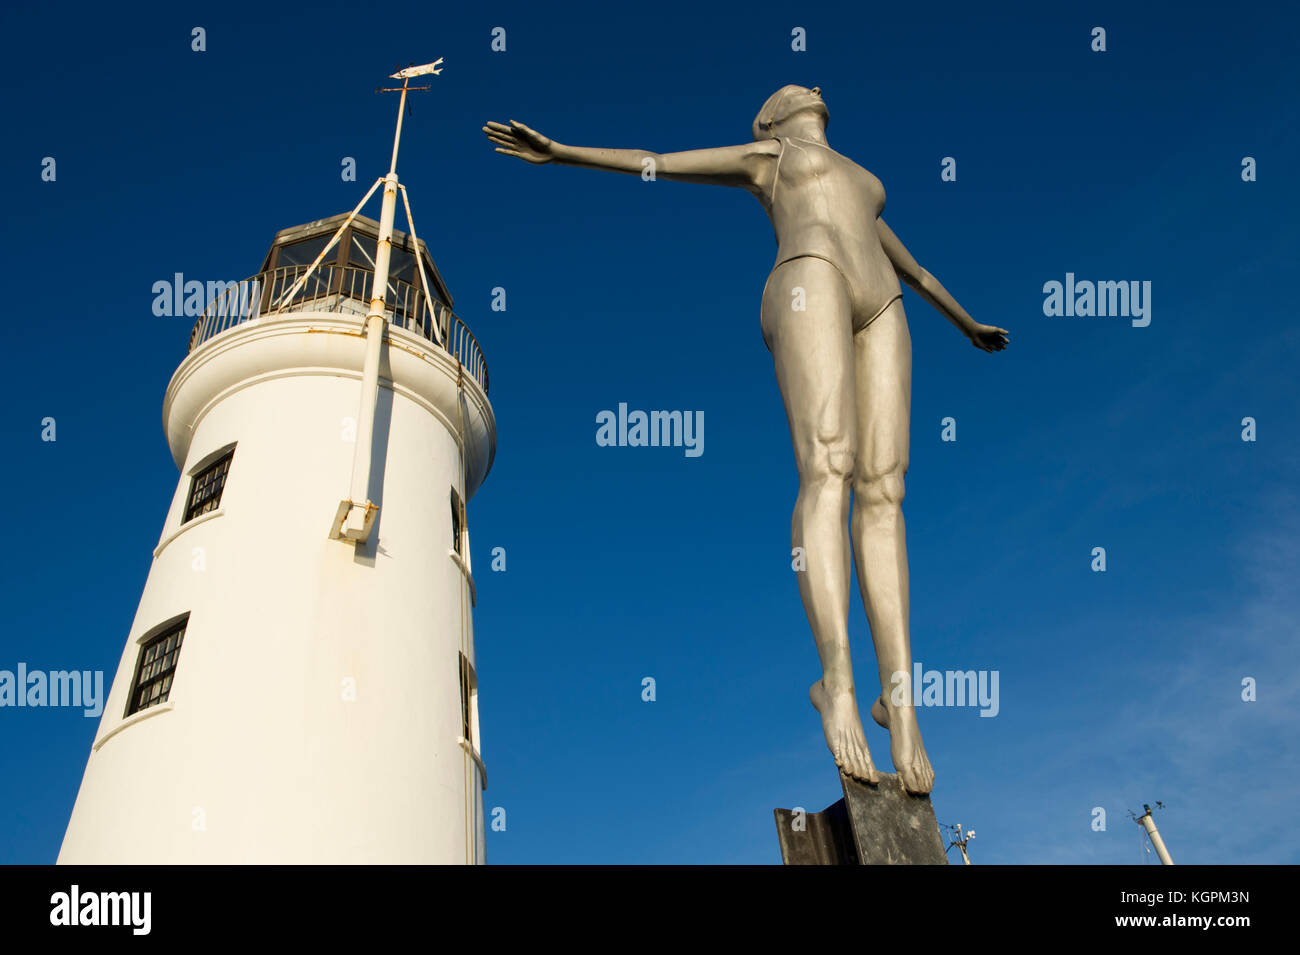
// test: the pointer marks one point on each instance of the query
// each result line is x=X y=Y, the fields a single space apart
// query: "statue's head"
x=787 y=103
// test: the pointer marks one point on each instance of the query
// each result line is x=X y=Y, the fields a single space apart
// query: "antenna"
x=960 y=839
x=1153 y=833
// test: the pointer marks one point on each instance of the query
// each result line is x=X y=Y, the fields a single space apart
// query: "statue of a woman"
x=832 y=316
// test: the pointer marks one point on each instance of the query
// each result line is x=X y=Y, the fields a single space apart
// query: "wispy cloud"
x=1227 y=768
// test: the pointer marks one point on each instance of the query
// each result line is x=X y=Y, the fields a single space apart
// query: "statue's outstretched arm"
x=741 y=165
x=986 y=337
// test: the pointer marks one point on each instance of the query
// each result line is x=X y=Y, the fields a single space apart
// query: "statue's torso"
x=824 y=205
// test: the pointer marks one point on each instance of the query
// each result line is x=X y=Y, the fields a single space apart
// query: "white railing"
x=346 y=290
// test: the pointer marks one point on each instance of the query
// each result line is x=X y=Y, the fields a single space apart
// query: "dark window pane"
x=153 y=680
x=206 y=488
x=401 y=266
x=400 y=295
x=466 y=689
x=361 y=252
x=456 y=531
x=302 y=253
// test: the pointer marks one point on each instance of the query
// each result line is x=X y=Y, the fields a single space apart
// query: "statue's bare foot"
x=905 y=746
x=843 y=728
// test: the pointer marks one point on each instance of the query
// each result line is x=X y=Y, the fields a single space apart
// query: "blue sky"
x=1116 y=688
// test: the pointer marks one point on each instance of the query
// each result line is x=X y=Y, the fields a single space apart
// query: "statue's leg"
x=807 y=324
x=883 y=365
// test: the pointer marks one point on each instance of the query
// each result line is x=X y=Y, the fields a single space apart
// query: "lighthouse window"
x=206 y=488
x=468 y=700
x=400 y=296
x=457 y=524
x=401 y=264
x=157 y=666
x=303 y=253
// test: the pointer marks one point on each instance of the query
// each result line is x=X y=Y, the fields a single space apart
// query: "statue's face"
x=786 y=104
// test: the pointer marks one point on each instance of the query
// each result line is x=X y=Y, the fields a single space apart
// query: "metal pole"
x=435 y=331
x=1150 y=825
x=356 y=521
x=397 y=136
x=962 y=839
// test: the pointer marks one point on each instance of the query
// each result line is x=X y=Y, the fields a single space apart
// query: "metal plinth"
x=871 y=825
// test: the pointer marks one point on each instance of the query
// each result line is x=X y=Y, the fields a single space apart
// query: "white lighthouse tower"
x=298 y=684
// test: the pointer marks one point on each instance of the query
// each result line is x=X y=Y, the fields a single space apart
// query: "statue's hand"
x=988 y=338
x=521 y=142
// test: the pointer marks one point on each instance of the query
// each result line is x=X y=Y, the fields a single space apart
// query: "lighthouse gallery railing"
x=344 y=289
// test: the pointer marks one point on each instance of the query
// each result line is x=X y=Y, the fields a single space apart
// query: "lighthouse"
x=299 y=683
